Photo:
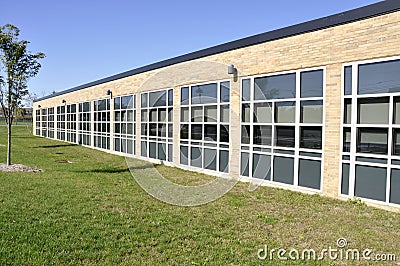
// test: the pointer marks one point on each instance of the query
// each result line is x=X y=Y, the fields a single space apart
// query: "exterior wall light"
x=231 y=69
x=63 y=101
x=109 y=92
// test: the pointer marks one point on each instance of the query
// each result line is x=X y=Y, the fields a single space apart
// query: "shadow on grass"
x=117 y=170
x=55 y=146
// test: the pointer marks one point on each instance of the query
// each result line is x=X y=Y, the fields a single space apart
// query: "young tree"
x=17 y=65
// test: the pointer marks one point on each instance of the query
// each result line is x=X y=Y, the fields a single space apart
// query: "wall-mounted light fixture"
x=63 y=101
x=231 y=69
x=109 y=92
x=39 y=106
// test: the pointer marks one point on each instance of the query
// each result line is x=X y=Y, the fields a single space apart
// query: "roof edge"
x=373 y=10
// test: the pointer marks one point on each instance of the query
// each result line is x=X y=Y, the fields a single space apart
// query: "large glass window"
x=205 y=121
x=38 y=124
x=50 y=118
x=101 y=120
x=85 y=124
x=282 y=128
x=61 y=122
x=124 y=123
x=71 y=123
x=43 y=120
x=157 y=124
x=371 y=150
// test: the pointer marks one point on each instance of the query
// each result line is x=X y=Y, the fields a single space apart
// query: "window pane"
x=262 y=135
x=262 y=166
x=153 y=115
x=372 y=140
x=312 y=83
x=153 y=150
x=224 y=161
x=170 y=114
x=311 y=112
x=348 y=80
x=162 y=151
x=396 y=141
x=197 y=114
x=262 y=113
x=396 y=110
x=275 y=87
x=224 y=133
x=370 y=182
x=210 y=159
x=224 y=116
x=144 y=100
x=126 y=102
x=373 y=110
x=184 y=155
x=285 y=136
x=225 y=91
x=380 y=77
x=347 y=111
x=283 y=170
x=153 y=129
x=246 y=90
x=170 y=97
x=144 y=116
x=244 y=164
x=185 y=96
x=246 y=134
x=210 y=132
x=195 y=157
x=395 y=187
x=345 y=178
x=184 y=131
x=204 y=93
x=285 y=112
x=185 y=114
x=246 y=112
x=197 y=132
x=346 y=139
x=117 y=104
x=311 y=138
x=210 y=113
x=310 y=173
x=143 y=149
x=158 y=98
x=162 y=115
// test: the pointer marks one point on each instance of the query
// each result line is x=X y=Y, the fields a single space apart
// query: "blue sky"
x=88 y=40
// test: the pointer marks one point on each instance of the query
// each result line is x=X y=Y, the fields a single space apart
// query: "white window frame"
x=125 y=136
x=88 y=132
x=100 y=134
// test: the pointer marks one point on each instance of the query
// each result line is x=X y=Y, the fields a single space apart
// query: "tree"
x=17 y=66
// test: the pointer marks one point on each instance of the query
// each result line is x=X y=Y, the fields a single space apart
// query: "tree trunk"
x=8 y=144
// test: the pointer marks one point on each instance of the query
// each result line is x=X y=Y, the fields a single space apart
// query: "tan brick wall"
x=377 y=37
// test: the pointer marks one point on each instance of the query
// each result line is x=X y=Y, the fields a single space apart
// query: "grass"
x=91 y=211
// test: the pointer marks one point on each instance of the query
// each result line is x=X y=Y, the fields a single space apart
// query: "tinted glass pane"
x=348 y=80
x=283 y=170
x=246 y=134
x=204 y=93
x=162 y=151
x=345 y=178
x=285 y=112
x=210 y=159
x=158 y=98
x=195 y=157
x=275 y=87
x=224 y=161
x=185 y=95
x=311 y=112
x=184 y=131
x=224 y=133
x=144 y=100
x=171 y=97
x=184 y=154
x=153 y=115
x=312 y=83
x=262 y=113
x=346 y=139
x=170 y=153
x=225 y=91
x=396 y=110
x=347 y=111
x=210 y=113
x=310 y=173
x=396 y=141
x=379 y=77
x=262 y=135
x=246 y=90
x=197 y=132
x=224 y=116
x=244 y=164
x=246 y=112
x=162 y=115
x=117 y=103
x=210 y=132
x=185 y=114
x=153 y=150
x=373 y=110
x=127 y=102
x=197 y=114
x=311 y=137
x=370 y=182
x=285 y=136
x=372 y=140
x=395 y=186
x=143 y=149
x=262 y=166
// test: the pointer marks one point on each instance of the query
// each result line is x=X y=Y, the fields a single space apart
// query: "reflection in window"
x=311 y=112
x=285 y=112
x=202 y=94
x=348 y=80
x=373 y=110
x=262 y=135
x=311 y=137
x=275 y=87
x=285 y=136
x=262 y=113
x=372 y=140
x=312 y=83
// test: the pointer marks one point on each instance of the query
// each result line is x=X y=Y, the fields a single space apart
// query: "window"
x=102 y=120
x=282 y=128
x=38 y=124
x=157 y=124
x=61 y=122
x=71 y=123
x=205 y=126
x=124 y=124
x=43 y=120
x=85 y=124
x=50 y=123
x=371 y=140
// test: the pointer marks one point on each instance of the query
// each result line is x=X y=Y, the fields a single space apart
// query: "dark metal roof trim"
x=369 y=11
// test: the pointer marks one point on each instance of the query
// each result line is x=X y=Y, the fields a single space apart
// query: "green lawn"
x=92 y=211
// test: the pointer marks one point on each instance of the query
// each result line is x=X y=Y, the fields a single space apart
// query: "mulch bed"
x=18 y=168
